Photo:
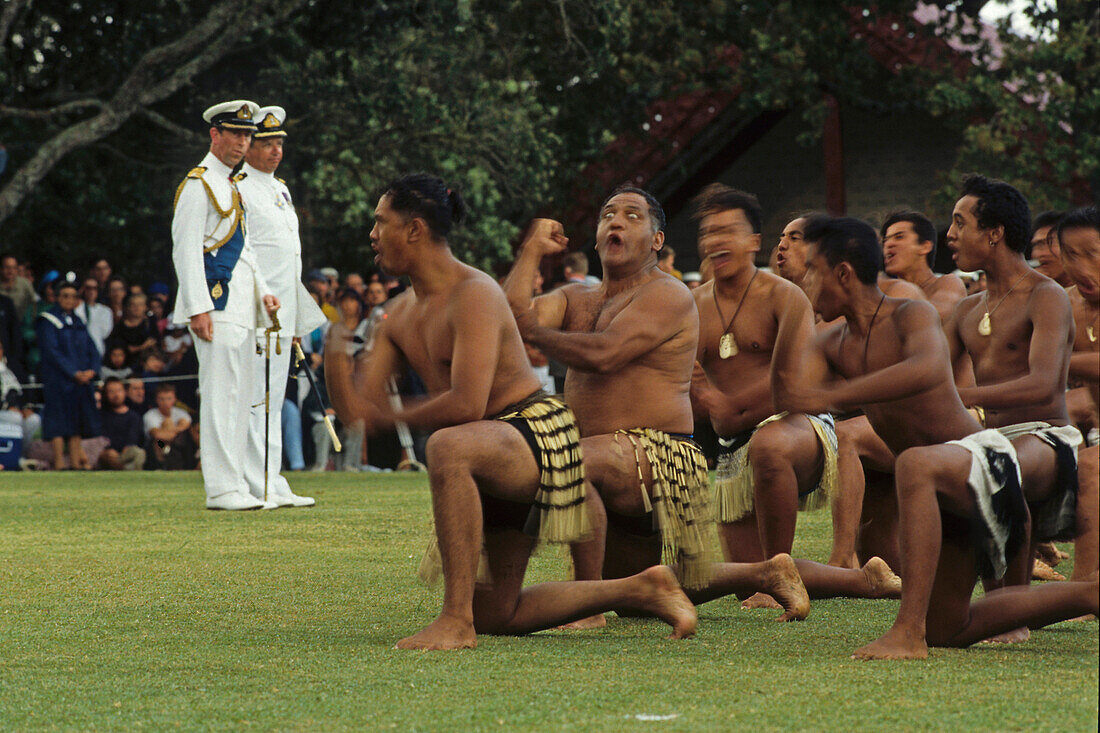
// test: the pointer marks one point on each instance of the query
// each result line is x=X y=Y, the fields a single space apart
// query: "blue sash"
x=219 y=266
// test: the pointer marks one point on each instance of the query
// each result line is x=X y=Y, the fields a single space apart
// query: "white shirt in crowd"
x=99 y=321
x=154 y=418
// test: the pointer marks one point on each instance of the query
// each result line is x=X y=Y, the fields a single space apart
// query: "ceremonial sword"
x=273 y=329
x=300 y=360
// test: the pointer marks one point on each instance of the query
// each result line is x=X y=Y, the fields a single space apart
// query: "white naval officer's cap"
x=236 y=115
x=269 y=122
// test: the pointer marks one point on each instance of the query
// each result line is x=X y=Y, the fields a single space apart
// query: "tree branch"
x=50 y=112
x=215 y=35
x=178 y=130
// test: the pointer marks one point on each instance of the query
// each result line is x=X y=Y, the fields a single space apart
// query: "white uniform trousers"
x=225 y=384
x=254 y=452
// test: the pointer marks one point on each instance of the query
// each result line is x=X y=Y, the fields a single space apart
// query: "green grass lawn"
x=125 y=605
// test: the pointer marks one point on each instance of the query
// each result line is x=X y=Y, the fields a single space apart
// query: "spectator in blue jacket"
x=68 y=369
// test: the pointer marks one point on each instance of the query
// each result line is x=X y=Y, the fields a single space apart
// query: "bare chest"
x=997 y=342
x=591 y=312
x=728 y=335
x=426 y=339
x=853 y=356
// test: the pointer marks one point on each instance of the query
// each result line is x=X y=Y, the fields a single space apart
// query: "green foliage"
x=1031 y=116
x=507 y=100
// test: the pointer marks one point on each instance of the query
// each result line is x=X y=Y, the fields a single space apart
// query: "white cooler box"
x=11 y=445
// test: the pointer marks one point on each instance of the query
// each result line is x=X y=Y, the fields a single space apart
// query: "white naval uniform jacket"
x=273 y=234
x=197 y=224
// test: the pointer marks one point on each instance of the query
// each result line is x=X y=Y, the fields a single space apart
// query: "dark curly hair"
x=427 y=197
x=999 y=204
x=845 y=239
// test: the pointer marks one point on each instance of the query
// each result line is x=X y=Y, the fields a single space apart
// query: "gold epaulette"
x=240 y=177
x=235 y=207
x=195 y=172
x=280 y=180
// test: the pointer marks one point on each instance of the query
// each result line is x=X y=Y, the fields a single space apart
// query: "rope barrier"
x=146 y=380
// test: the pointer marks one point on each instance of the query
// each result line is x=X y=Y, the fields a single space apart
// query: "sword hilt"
x=274 y=328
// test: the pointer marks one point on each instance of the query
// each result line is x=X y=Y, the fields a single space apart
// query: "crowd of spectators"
x=95 y=374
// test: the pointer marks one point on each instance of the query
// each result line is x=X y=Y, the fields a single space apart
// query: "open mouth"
x=614 y=239
x=718 y=258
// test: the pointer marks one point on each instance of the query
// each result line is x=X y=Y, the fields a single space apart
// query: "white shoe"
x=234 y=501
x=278 y=500
x=292 y=500
x=300 y=501
x=270 y=503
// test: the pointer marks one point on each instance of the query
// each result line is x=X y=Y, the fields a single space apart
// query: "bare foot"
x=1042 y=571
x=786 y=587
x=851 y=562
x=894 y=644
x=446 y=632
x=665 y=599
x=1048 y=553
x=1086 y=617
x=592 y=622
x=1010 y=637
x=884 y=582
x=760 y=600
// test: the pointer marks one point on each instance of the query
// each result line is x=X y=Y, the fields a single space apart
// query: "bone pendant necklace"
x=727 y=345
x=985 y=326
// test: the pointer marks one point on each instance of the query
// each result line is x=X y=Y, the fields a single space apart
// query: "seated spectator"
x=14 y=285
x=185 y=454
x=158 y=313
x=70 y=363
x=153 y=364
x=333 y=276
x=666 y=262
x=352 y=314
x=135 y=395
x=114 y=364
x=354 y=281
x=11 y=336
x=352 y=309
x=134 y=332
x=116 y=293
x=164 y=426
x=318 y=287
x=96 y=316
x=177 y=340
x=376 y=297
x=575 y=267
x=100 y=270
x=181 y=362
x=13 y=408
x=314 y=344
x=124 y=429
x=47 y=291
